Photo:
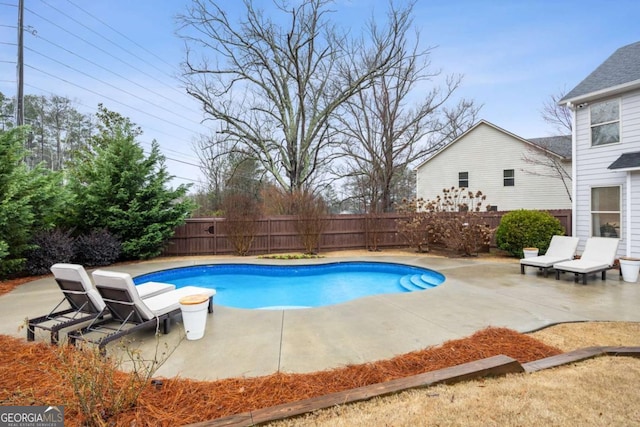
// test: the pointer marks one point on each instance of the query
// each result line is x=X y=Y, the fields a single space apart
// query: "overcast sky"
x=513 y=54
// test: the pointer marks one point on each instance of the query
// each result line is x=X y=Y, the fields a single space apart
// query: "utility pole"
x=20 y=66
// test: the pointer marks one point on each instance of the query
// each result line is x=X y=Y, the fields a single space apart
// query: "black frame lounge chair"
x=129 y=313
x=561 y=248
x=83 y=300
x=599 y=255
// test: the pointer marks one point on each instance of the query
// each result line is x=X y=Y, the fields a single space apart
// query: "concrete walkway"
x=239 y=342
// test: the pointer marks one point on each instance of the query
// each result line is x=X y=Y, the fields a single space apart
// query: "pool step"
x=430 y=281
x=416 y=282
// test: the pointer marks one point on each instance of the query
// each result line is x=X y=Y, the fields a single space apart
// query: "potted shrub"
x=608 y=230
x=629 y=267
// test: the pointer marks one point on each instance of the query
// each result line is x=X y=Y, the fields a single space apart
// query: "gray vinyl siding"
x=591 y=171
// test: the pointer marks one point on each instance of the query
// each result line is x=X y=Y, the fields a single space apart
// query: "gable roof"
x=560 y=145
x=619 y=72
x=557 y=145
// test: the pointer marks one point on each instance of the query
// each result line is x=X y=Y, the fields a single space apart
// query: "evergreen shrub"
x=527 y=229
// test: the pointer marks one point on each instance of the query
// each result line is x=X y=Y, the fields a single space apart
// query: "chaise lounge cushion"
x=170 y=301
x=151 y=289
x=581 y=266
x=77 y=273
x=561 y=248
x=599 y=254
x=150 y=307
x=543 y=261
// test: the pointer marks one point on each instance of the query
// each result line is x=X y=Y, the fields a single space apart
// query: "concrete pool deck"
x=477 y=293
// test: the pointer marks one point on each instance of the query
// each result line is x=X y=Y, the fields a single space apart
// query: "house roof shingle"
x=622 y=67
x=627 y=161
x=560 y=145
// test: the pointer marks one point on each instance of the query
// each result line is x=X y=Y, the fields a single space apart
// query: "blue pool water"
x=300 y=286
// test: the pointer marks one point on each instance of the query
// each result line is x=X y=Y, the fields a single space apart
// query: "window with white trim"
x=509 y=177
x=605 y=122
x=463 y=179
x=605 y=211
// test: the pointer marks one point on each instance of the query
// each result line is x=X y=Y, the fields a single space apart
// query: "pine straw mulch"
x=7 y=286
x=32 y=375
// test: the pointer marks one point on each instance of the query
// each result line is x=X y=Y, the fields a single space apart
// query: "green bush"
x=527 y=229
x=119 y=188
x=30 y=200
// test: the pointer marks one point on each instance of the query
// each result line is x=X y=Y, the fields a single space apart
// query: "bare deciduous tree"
x=226 y=172
x=273 y=84
x=558 y=115
x=385 y=133
x=547 y=162
x=241 y=226
x=310 y=211
x=546 y=152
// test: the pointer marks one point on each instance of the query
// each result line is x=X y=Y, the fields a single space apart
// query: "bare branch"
x=558 y=115
x=384 y=134
x=274 y=88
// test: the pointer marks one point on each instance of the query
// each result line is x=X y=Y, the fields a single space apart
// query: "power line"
x=109 y=70
x=69 y=80
x=121 y=34
x=96 y=93
x=107 y=39
x=110 y=85
x=103 y=95
x=112 y=56
x=147 y=127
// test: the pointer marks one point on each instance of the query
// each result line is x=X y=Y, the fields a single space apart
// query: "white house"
x=514 y=173
x=606 y=151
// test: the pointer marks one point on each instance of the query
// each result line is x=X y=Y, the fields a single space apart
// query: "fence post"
x=215 y=238
x=269 y=235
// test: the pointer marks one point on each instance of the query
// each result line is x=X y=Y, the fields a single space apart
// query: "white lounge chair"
x=129 y=312
x=599 y=255
x=561 y=248
x=83 y=300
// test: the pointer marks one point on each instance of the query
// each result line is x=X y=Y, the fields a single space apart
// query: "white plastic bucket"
x=194 y=315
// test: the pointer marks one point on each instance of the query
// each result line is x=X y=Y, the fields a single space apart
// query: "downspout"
x=574 y=175
x=628 y=209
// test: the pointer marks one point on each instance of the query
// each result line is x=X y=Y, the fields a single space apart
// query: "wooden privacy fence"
x=276 y=234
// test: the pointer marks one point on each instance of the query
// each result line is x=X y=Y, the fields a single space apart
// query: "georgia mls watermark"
x=31 y=416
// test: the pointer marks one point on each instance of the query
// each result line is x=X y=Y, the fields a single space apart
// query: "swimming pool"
x=300 y=286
